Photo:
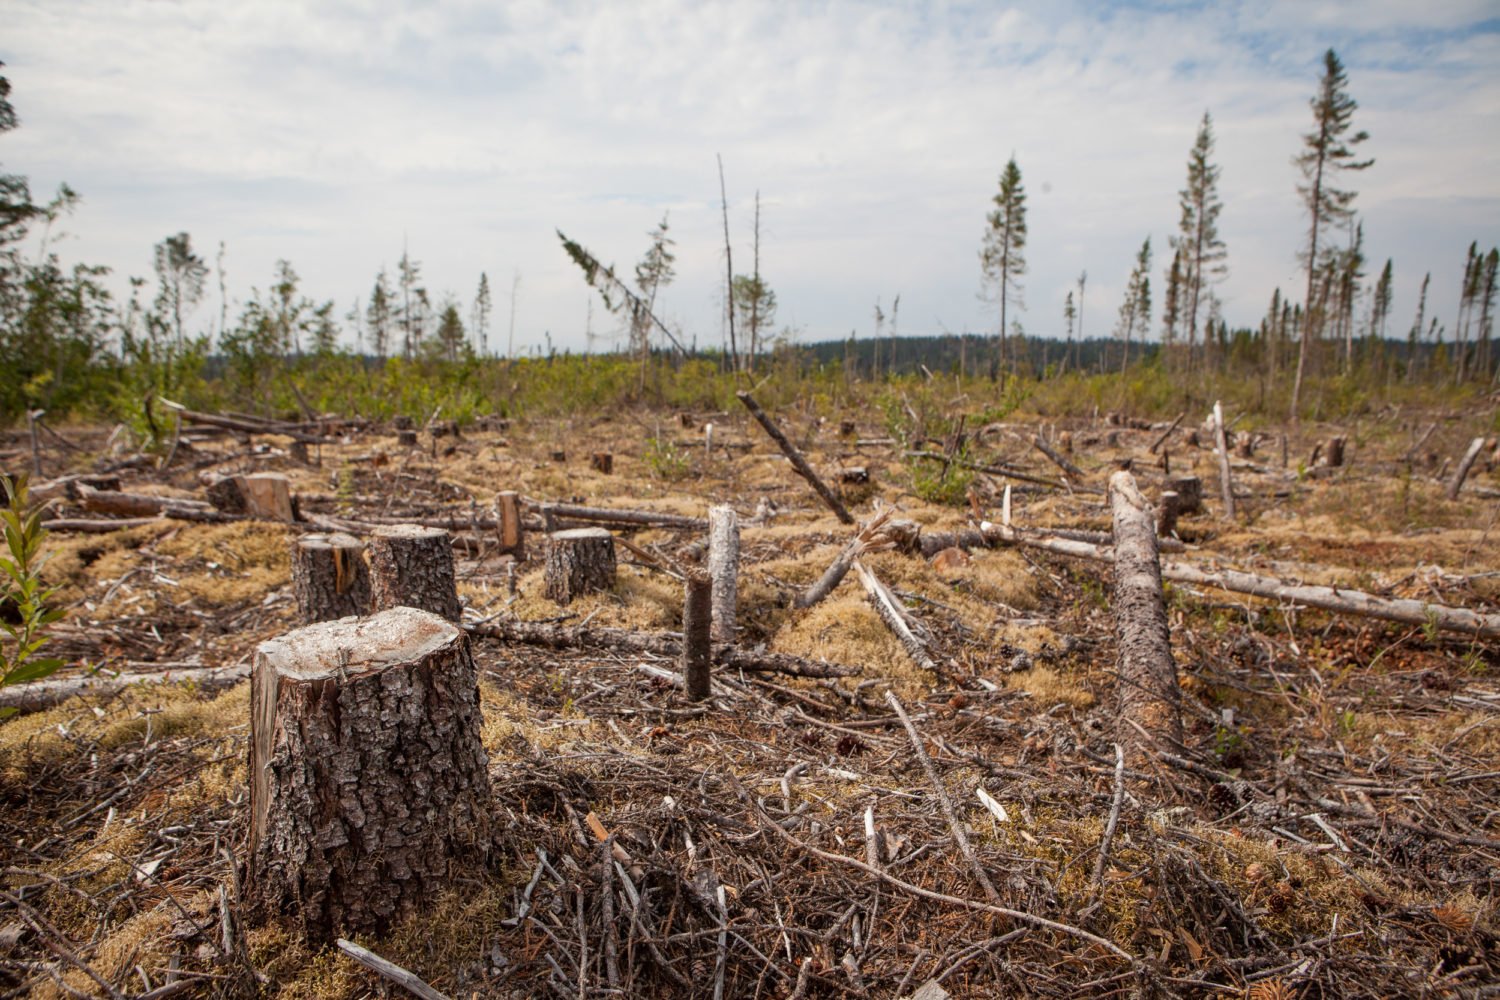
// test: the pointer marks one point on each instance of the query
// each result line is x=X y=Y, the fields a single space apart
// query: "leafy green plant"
x=942 y=482
x=666 y=460
x=24 y=614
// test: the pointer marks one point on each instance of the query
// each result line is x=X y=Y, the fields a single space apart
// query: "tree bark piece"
x=1221 y=448
x=369 y=788
x=795 y=457
x=724 y=570
x=697 y=620
x=512 y=533
x=1462 y=472
x=412 y=566
x=555 y=636
x=579 y=561
x=1147 y=682
x=330 y=577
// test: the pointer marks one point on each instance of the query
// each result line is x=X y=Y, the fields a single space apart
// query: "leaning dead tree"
x=1464 y=465
x=350 y=828
x=795 y=457
x=1147 y=681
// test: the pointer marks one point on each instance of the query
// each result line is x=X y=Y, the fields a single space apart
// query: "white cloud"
x=328 y=134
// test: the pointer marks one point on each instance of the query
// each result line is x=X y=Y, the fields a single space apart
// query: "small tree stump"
x=1189 y=490
x=266 y=495
x=443 y=428
x=1333 y=453
x=406 y=438
x=402 y=422
x=1167 y=513
x=369 y=787
x=724 y=570
x=697 y=650
x=512 y=534
x=559 y=456
x=579 y=561
x=602 y=461
x=412 y=566
x=1244 y=445
x=329 y=577
x=1065 y=442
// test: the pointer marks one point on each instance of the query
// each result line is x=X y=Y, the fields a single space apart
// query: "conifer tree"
x=1415 y=334
x=1070 y=314
x=1135 y=311
x=1171 y=308
x=1328 y=151
x=181 y=278
x=408 y=273
x=481 y=317
x=1201 y=250
x=378 y=316
x=1002 y=258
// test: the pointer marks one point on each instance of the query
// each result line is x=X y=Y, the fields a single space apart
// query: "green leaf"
x=32 y=670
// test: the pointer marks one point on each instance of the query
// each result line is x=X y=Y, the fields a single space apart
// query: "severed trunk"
x=412 y=567
x=369 y=790
x=1148 y=693
x=579 y=561
x=724 y=570
x=330 y=577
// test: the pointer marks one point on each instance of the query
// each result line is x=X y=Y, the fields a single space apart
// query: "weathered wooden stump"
x=265 y=495
x=1065 y=442
x=1333 y=452
x=1244 y=445
x=724 y=570
x=412 y=566
x=602 y=461
x=406 y=438
x=1169 y=509
x=1189 y=490
x=402 y=422
x=369 y=787
x=329 y=577
x=579 y=561
x=443 y=428
x=512 y=534
x=559 y=456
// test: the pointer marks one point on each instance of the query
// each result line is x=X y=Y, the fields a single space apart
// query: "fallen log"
x=869 y=538
x=1484 y=625
x=553 y=636
x=795 y=457
x=895 y=618
x=245 y=426
x=97 y=525
x=1057 y=460
x=135 y=504
x=1005 y=472
x=1147 y=675
x=606 y=515
x=34 y=696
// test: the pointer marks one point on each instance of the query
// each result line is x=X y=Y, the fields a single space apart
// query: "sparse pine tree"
x=1135 y=311
x=1202 y=251
x=481 y=316
x=408 y=273
x=1487 y=308
x=1328 y=151
x=379 y=316
x=451 y=336
x=652 y=274
x=1171 y=308
x=1415 y=334
x=181 y=278
x=1002 y=258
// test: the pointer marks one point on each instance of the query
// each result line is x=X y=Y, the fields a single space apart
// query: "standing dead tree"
x=1467 y=463
x=1147 y=682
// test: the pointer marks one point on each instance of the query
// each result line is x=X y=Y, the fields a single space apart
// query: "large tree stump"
x=724 y=569
x=1189 y=490
x=329 y=577
x=579 y=561
x=369 y=788
x=266 y=495
x=1147 y=682
x=412 y=566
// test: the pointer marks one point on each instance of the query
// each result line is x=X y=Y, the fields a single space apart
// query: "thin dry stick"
x=57 y=942
x=1166 y=433
x=390 y=970
x=940 y=897
x=943 y=801
x=1114 y=818
x=611 y=933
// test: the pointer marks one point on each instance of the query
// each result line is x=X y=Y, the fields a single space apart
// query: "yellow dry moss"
x=1050 y=688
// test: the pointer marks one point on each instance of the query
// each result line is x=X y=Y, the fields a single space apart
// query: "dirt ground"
x=1329 y=828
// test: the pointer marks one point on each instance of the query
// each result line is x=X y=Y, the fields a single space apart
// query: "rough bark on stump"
x=579 y=561
x=412 y=566
x=369 y=790
x=1189 y=490
x=1333 y=453
x=602 y=462
x=1148 y=692
x=724 y=570
x=406 y=438
x=329 y=577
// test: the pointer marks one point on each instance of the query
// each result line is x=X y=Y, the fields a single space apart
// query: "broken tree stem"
x=795 y=457
x=1221 y=447
x=867 y=539
x=1457 y=483
x=894 y=617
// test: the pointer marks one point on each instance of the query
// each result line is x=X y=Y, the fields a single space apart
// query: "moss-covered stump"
x=369 y=789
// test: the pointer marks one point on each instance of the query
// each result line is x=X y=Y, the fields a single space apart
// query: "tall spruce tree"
x=1202 y=251
x=1002 y=258
x=379 y=315
x=481 y=315
x=1414 y=336
x=1328 y=151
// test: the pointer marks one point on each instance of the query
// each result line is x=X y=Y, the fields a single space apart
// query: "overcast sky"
x=332 y=134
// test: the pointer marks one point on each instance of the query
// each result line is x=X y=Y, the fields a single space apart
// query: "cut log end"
x=579 y=561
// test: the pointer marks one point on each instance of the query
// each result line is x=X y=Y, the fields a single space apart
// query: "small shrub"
x=24 y=614
x=666 y=460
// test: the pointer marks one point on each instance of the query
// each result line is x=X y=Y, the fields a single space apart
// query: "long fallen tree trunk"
x=245 y=426
x=1484 y=625
x=729 y=657
x=37 y=695
x=606 y=515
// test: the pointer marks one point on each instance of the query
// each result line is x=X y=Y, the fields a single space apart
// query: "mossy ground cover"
x=1333 y=831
